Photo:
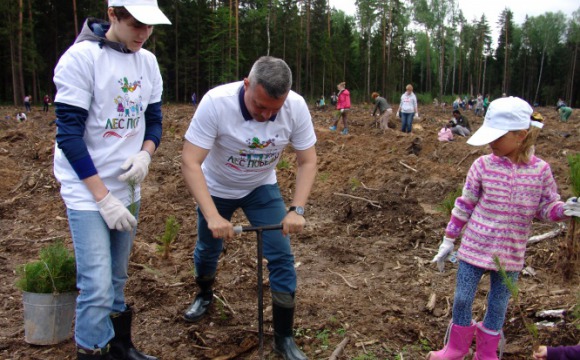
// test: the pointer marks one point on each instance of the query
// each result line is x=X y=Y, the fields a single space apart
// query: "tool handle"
x=238 y=229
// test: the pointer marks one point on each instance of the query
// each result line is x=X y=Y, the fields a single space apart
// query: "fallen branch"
x=372 y=202
x=224 y=303
x=339 y=349
x=432 y=301
x=466 y=156
x=407 y=166
x=548 y=235
x=367 y=188
x=363 y=343
x=346 y=281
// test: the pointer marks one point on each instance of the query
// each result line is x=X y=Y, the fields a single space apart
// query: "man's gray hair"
x=273 y=74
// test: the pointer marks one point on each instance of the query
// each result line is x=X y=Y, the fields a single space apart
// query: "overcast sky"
x=492 y=8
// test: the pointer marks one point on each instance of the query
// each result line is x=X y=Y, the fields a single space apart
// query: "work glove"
x=398 y=114
x=572 y=207
x=138 y=166
x=416 y=115
x=445 y=249
x=116 y=214
x=341 y=111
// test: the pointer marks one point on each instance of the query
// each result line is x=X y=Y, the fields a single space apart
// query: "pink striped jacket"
x=499 y=201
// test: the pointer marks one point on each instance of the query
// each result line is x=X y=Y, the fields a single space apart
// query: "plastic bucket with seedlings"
x=48 y=318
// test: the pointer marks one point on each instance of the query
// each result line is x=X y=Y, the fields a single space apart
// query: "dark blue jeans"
x=407 y=119
x=263 y=206
x=468 y=277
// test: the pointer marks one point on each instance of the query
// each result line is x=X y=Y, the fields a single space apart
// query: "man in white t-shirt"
x=233 y=144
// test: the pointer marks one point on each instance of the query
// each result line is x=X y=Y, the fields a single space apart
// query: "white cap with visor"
x=504 y=115
x=144 y=11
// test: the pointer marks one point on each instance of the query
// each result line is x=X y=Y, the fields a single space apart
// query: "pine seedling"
x=54 y=272
x=132 y=189
x=570 y=248
x=171 y=229
x=449 y=202
x=514 y=291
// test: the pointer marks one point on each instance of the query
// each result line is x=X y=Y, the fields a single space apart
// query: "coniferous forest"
x=386 y=45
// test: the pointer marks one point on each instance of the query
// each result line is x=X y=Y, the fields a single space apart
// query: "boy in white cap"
x=504 y=191
x=109 y=124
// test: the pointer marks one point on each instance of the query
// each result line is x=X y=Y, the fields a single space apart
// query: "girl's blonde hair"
x=526 y=149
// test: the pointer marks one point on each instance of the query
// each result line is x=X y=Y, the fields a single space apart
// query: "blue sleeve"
x=70 y=122
x=153 y=123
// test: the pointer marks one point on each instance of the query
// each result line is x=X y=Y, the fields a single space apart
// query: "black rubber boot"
x=283 y=319
x=94 y=354
x=203 y=300
x=121 y=346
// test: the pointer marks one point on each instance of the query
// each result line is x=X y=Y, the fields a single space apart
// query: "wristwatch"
x=297 y=209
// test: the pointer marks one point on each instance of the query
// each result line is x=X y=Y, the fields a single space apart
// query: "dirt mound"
x=363 y=262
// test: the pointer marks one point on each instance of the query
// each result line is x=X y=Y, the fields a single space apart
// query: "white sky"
x=492 y=8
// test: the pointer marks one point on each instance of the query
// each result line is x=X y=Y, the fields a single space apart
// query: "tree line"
x=386 y=45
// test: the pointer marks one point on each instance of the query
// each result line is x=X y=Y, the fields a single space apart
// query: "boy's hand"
x=541 y=353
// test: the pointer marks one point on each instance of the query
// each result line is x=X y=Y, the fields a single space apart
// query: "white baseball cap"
x=503 y=115
x=145 y=11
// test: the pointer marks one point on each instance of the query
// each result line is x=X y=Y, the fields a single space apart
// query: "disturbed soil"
x=363 y=262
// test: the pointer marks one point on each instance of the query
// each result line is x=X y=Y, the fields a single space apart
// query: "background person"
x=383 y=108
x=45 y=103
x=94 y=162
x=565 y=112
x=233 y=144
x=408 y=109
x=484 y=214
x=342 y=108
x=27 y=100
x=459 y=124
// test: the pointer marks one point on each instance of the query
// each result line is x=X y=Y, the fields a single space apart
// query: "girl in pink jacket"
x=342 y=108
x=504 y=191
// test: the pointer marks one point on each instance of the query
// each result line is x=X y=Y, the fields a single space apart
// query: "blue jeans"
x=468 y=277
x=263 y=206
x=407 y=119
x=102 y=258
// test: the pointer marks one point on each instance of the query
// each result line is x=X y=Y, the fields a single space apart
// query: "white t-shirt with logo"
x=244 y=153
x=115 y=88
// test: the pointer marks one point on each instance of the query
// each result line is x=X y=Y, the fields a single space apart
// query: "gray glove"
x=445 y=249
x=572 y=207
x=139 y=167
x=116 y=214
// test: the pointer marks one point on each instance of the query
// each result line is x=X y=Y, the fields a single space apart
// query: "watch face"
x=299 y=210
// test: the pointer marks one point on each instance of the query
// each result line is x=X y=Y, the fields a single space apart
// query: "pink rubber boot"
x=486 y=343
x=457 y=343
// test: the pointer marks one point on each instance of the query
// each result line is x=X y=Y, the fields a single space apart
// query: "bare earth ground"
x=363 y=263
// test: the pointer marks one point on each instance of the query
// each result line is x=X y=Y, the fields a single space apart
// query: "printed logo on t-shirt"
x=128 y=106
x=258 y=157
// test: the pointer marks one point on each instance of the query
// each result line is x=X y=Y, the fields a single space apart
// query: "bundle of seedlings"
x=570 y=247
x=514 y=291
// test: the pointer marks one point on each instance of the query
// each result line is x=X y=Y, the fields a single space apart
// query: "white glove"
x=116 y=214
x=572 y=207
x=341 y=111
x=416 y=115
x=445 y=249
x=139 y=167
